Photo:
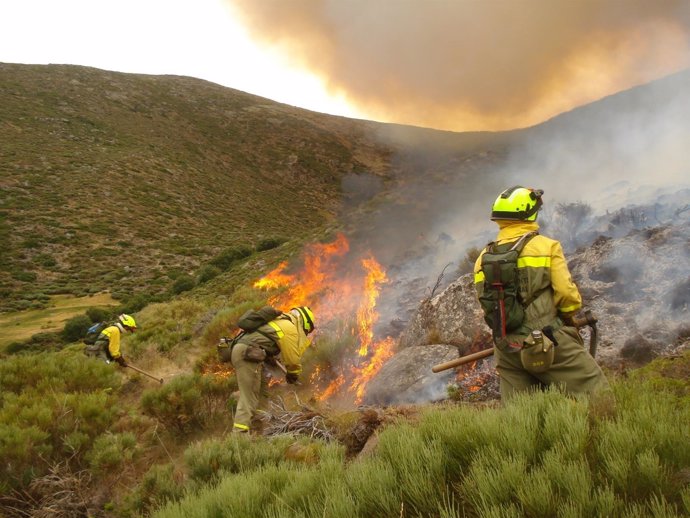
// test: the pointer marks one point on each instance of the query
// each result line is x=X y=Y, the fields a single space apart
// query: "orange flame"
x=366 y=316
x=332 y=388
x=318 y=272
x=382 y=351
x=275 y=279
x=321 y=284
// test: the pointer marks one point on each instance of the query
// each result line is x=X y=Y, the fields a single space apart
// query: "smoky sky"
x=471 y=64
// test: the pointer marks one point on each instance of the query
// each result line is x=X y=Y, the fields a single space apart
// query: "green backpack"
x=249 y=322
x=503 y=310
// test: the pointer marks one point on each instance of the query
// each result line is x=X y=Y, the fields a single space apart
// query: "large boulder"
x=407 y=377
x=452 y=317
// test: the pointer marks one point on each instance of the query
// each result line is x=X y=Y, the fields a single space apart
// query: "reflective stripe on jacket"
x=542 y=272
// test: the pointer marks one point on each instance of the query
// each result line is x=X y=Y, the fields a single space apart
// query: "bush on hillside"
x=52 y=408
x=543 y=454
x=99 y=314
x=207 y=273
x=138 y=301
x=269 y=243
x=183 y=283
x=229 y=256
x=208 y=461
x=40 y=342
x=189 y=402
x=110 y=451
x=75 y=328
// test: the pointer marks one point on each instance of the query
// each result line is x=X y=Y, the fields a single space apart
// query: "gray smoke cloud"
x=471 y=65
x=622 y=162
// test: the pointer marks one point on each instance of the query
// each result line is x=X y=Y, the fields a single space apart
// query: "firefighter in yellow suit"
x=286 y=336
x=107 y=345
x=545 y=281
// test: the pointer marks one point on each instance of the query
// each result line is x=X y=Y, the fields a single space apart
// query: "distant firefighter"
x=106 y=344
x=529 y=301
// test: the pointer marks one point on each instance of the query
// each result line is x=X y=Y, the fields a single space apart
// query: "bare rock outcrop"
x=407 y=377
x=638 y=286
x=451 y=317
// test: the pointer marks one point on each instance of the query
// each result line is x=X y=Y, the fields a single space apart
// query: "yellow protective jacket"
x=113 y=335
x=542 y=269
x=284 y=335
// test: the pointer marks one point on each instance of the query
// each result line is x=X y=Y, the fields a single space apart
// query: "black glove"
x=291 y=378
x=121 y=361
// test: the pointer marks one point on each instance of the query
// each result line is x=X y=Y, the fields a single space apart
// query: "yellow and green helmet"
x=517 y=204
x=307 y=318
x=127 y=321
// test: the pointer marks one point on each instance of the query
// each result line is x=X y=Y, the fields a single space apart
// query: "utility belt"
x=258 y=353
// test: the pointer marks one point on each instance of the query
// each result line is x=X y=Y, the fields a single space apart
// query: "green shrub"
x=137 y=302
x=51 y=410
x=40 y=342
x=55 y=373
x=160 y=485
x=165 y=326
x=208 y=459
x=269 y=243
x=229 y=256
x=207 y=273
x=99 y=314
x=22 y=449
x=110 y=451
x=46 y=260
x=183 y=283
x=541 y=455
x=224 y=322
x=75 y=328
x=188 y=402
x=24 y=276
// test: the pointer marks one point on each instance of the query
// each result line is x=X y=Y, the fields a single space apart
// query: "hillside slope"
x=113 y=180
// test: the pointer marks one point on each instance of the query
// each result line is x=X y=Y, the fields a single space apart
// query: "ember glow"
x=337 y=293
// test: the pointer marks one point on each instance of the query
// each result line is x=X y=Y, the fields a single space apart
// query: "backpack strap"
x=519 y=245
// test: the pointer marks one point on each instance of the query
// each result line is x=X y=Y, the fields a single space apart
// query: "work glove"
x=120 y=361
x=291 y=378
x=567 y=318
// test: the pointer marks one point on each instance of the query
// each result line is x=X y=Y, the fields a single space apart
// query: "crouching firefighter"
x=529 y=301
x=284 y=334
x=106 y=342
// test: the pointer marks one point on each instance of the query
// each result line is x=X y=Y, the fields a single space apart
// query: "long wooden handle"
x=159 y=380
x=463 y=360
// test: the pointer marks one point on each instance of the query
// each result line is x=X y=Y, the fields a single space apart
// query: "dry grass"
x=61 y=493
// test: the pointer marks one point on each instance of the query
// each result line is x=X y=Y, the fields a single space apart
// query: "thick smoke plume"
x=475 y=65
x=613 y=166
